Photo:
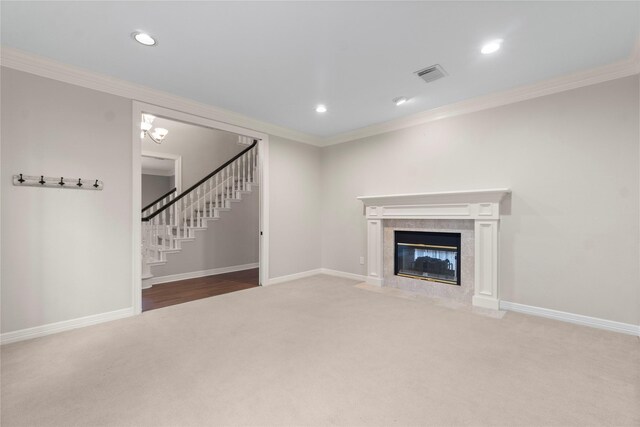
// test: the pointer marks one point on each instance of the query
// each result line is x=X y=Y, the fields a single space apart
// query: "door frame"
x=177 y=168
x=138 y=108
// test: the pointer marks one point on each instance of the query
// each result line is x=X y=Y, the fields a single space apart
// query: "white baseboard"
x=194 y=274
x=295 y=276
x=313 y=272
x=52 y=328
x=579 y=319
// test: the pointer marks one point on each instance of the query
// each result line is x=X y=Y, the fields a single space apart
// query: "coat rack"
x=22 y=180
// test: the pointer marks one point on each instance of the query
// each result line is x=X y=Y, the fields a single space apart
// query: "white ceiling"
x=275 y=61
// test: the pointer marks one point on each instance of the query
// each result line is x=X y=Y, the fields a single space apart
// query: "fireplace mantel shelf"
x=482 y=206
x=494 y=195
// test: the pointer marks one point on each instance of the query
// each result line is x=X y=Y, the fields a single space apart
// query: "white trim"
x=576 y=80
x=157 y=172
x=195 y=274
x=493 y=195
x=44 y=67
x=343 y=274
x=578 y=319
x=294 y=276
x=177 y=166
x=136 y=202
x=263 y=250
x=65 y=325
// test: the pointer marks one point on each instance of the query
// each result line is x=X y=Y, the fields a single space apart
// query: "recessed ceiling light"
x=400 y=100
x=491 y=47
x=321 y=109
x=144 y=38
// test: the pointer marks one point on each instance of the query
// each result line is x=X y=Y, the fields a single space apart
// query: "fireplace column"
x=486 y=265
x=375 y=263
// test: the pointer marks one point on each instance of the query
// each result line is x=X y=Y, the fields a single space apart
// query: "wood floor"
x=167 y=294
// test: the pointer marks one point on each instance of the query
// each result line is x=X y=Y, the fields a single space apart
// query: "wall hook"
x=24 y=180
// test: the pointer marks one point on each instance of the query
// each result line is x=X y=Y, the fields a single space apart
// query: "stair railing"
x=172 y=220
x=159 y=202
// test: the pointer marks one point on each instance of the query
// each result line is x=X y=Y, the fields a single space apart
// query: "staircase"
x=174 y=218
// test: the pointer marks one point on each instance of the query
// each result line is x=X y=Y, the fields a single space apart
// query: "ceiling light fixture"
x=144 y=38
x=146 y=124
x=400 y=100
x=321 y=109
x=491 y=47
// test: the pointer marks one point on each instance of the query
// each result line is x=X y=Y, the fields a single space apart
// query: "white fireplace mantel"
x=482 y=206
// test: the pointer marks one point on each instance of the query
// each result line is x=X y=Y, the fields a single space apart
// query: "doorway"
x=161 y=170
x=161 y=173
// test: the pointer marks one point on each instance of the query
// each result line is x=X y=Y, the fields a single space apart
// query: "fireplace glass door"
x=428 y=256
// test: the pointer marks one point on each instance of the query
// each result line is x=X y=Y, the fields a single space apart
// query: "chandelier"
x=146 y=126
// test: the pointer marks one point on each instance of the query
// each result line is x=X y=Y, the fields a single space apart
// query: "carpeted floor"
x=322 y=351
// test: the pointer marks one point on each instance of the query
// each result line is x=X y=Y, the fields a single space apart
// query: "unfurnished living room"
x=307 y=213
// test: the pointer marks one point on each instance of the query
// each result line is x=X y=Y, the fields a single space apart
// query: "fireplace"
x=431 y=256
x=440 y=211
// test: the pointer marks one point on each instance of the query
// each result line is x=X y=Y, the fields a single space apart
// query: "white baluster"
x=154 y=237
x=201 y=204
x=211 y=194
x=184 y=216
x=198 y=210
x=226 y=184
x=174 y=221
x=255 y=162
x=172 y=214
x=253 y=178
x=191 y=209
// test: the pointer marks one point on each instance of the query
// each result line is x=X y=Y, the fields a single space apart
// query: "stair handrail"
x=159 y=199
x=197 y=184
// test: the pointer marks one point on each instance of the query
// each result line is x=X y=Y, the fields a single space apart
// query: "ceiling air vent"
x=431 y=73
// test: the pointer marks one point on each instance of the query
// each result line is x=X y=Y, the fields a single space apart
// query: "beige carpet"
x=321 y=351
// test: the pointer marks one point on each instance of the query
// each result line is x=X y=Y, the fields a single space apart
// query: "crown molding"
x=576 y=80
x=44 y=67
x=33 y=64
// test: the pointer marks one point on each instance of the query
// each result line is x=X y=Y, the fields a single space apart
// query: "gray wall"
x=65 y=253
x=230 y=241
x=294 y=215
x=571 y=160
x=154 y=186
x=202 y=149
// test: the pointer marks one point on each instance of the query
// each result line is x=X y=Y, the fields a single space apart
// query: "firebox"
x=429 y=256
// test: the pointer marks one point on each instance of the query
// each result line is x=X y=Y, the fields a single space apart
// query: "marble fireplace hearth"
x=474 y=214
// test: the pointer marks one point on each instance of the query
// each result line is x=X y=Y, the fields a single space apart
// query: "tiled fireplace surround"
x=474 y=214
